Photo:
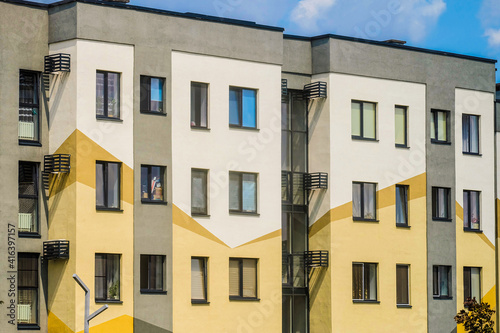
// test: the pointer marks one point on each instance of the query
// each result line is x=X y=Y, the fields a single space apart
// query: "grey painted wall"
x=23 y=45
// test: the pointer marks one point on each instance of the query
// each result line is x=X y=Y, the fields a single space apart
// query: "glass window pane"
x=198 y=279
x=113 y=276
x=402 y=285
x=249 y=189
x=113 y=185
x=474 y=210
x=298 y=193
x=369 y=193
x=113 y=95
x=369 y=116
x=442 y=126
x=400 y=121
x=371 y=282
x=285 y=116
x=156 y=94
x=99 y=184
x=401 y=205
x=299 y=115
x=234 y=106
x=157 y=186
x=199 y=191
x=285 y=151
x=144 y=182
x=100 y=94
x=466 y=209
x=474 y=134
x=249 y=108
x=249 y=278
x=433 y=125
x=355 y=119
x=299 y=154
x=299 y=232
x=465 y=133
x=234 y=277
x=199 y=104
x=443 y=281
x=357 y=281
x=467 y=285
x=234 y=191
x=300 y=313
x=356 y=200
x=145 y=101
x=144 y=271
x=435 y=280
x=475 y=281
x=27 y=306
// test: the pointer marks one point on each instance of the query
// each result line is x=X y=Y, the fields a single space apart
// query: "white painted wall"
x=222 y=149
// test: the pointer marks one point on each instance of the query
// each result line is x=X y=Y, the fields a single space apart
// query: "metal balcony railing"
x=317 y=180
x=315 y=90
x=314 y=259
x=57 y=163
x=56 y=249
x=56 y=63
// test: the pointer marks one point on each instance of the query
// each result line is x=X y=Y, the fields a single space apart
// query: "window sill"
x=29 y=143
x=199 y=215
x=358 y=219
x=439 y=142
x=244 y=128
x=154 y=202
x=442 y=297
x=154 y=113
x=234 y=212
x=153 y=292
x=110 y=119
x=473 y=230
x=28 y=327
x=246 y=299
x=199 y=301
x=200 y=128
x=111 y=301
x=365 y=302
x=472 y=154
x=441 y=219
x=361 y=138
x=21 y=234
x=106 y=209
x=402 y=146
x=403 y=306
x=404 y=226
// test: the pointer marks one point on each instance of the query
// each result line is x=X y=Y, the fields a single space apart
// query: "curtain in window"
x=357 y=281
x=234 y=107
x=100 y=276
x=199 y=192
x=442 y=203
x=113 y=95
x=249 y=186
x=369 y=116
x=113 y=185
x=249 y=108
x=156 y=95
x=475 y=281
x=100 y=94
x=198 y=279
x=474 y=134
x=435 y=280
x=249 y=278
x=355 y=119
x=371 y=282
x=400 y=121
x=441 y=126
x=443 y=280
x=401 y=205
x=156 y=275
x=369 y=201
x=465 y=133
x=356 y=200
x=234 y=277
x=99 y=184
x=144 y=183
x=234 y=191
x=402 y=284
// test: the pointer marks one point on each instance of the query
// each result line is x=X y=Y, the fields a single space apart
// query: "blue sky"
x=463 y=26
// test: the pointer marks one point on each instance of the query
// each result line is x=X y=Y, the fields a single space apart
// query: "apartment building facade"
x=148 y=163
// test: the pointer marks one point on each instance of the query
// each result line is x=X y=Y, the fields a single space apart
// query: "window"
x=364 y=282
x=152 y=273
x=107 y=95
x=363 y=120
x=199 y=105
x=242 y=107
x=403 y=284
x=199 y=192
x=242 y=278
x=441 y=204
x=441 y=281
x=439 y=126
x=401 y=122
x=364 y=201
x=402 y=205
x=29 y=107
x=27 y=285
x=28 y=198
x=107 y=277
x=152 y=183
x=472 y=283
x=199 y=280
x=472 y=210
x=470 y=134
x=107 y=185
x=242 y=192
x=152 y=94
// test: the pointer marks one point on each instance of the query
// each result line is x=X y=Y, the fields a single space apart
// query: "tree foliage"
x=476 y=317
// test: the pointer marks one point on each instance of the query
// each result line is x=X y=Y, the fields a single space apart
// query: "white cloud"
x=307 y=13
x=493 y=37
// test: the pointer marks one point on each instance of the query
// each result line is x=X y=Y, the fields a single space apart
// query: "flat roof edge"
x=27 y=3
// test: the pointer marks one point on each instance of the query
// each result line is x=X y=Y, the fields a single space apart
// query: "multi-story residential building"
x=147 y=162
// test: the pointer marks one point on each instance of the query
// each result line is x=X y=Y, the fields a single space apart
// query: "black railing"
x=55 y=63
x=315 y=90
x=314 y=259
x=58 y=163
x=57 y=249
x=317 y=180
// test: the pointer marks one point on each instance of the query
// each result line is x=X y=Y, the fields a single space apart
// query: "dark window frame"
x=468 y=227
x=406 y=191
x=145 y=95
x=469 y=287
x=35 y=197
x=35 y=256
x=197 y=119
x=240 y=108
x=240 y=279
x=364 y=300
x=434 y=114
x=405 y=108
x=362 y=202
x=205 y=281
x=240 y=210
x=408 y=284
x=142 y=283
x=163 y=170
x=466 y=125
x=435 y=205
x=108 y=300
x=206 y=191
x=105 y=186
x=436 y=283
x=36 y=89
x=106 y=94
x=361 y=135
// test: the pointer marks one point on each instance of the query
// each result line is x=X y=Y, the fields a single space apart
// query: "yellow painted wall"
x=223 y=315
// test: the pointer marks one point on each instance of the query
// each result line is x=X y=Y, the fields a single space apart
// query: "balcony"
x=57 y=63
x=57 y=163
x=315 y=259
x=56 y=249
x=315 y=90
x=316 y=181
